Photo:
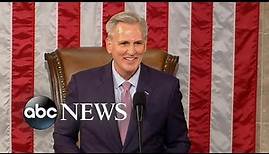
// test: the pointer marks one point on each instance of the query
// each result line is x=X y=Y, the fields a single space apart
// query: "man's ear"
x=145 y=46
x=108 y=45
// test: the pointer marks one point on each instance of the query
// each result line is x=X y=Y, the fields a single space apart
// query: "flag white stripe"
x=222 y=77
x=231 y=126
x=45 y=41
x=137 y=7
x=5 y=76
x=179 y=44
x=10 y=81
x=91 y=24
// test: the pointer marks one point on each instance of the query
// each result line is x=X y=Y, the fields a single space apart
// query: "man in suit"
x=164 y=124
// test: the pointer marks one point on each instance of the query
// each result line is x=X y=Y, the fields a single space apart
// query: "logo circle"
x=40 y=112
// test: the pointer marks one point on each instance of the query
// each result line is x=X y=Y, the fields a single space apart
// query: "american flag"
x=217 y=45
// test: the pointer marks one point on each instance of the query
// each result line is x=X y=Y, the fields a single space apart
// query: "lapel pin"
x=147 y=93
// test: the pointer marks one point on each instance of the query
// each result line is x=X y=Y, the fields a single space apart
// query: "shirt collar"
x=118 y=80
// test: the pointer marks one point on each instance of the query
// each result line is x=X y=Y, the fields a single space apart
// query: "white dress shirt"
x=118 y=80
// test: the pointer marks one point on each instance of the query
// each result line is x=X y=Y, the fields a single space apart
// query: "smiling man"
x=127 y=45
x=164 y=125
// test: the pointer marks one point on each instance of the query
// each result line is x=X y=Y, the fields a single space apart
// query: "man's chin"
x=131 y=70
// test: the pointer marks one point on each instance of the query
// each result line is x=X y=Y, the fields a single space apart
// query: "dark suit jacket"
x=164 y=125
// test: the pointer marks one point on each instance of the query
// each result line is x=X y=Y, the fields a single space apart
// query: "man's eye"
x=123 y=43
x=139 y=43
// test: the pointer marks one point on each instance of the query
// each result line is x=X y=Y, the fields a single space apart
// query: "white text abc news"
x=86 y=109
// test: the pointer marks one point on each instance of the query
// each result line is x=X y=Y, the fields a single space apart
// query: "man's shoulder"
x=157 y=75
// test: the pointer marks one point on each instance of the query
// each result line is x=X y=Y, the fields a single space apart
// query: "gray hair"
x=127 y=17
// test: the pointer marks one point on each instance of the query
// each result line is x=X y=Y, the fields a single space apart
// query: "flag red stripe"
x=68 y=24
x=109 y=9
x=157 y=19
x=245 y=78
x=200 y=76
x=23 y=38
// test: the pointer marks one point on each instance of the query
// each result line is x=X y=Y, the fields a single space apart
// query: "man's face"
x=127 y=48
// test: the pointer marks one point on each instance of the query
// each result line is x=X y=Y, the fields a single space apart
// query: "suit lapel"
x=142 y=86
x=106 y=88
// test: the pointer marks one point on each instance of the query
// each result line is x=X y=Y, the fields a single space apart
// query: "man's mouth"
x=130 y=58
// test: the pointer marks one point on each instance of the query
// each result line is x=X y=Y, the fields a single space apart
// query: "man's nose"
x=131 y=49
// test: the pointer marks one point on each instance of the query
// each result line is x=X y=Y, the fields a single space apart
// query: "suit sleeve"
x=176 y=138
x=66 y=131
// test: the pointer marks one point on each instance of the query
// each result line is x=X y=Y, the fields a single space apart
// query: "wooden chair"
x=64 y=62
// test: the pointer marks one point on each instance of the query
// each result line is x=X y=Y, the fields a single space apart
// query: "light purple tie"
x=127 y=99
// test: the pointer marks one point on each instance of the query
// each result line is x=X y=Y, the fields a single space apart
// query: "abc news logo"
x=41 y=112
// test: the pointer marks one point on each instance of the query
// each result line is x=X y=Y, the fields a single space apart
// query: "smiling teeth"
x=130 y=58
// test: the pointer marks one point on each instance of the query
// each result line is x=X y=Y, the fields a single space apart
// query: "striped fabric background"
x=217 y=45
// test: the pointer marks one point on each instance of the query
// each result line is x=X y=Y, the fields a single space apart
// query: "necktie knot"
x=126 y=86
